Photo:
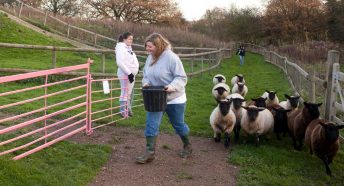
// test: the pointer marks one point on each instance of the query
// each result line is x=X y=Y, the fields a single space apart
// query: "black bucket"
x=154 y=98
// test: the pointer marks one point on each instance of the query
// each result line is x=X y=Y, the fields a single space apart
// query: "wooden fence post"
x=45 y=18
x=95 y=39
x=332 y=57
x=53 y=65
x=312 y=87
x=103 y=62
x=68 y=30
x=21 y=8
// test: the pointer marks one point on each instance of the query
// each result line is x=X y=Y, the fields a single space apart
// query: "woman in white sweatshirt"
x=128 y=67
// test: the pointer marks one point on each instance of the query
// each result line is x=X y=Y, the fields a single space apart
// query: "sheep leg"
x=227 y=139
x=257 y=140
x=278 y=136
x=294 y=142
x=236 y=132
x=217 y=137
x=326 y=162
x=300 y=144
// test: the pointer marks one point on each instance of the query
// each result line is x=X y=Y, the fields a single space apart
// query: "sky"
x=195 y=9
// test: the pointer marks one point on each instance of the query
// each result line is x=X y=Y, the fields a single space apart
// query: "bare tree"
x=63 y=7
x=149 y=11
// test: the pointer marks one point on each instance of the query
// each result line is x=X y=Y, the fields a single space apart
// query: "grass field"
x=272 y=163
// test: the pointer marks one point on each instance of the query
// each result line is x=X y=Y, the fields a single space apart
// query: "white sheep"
x=291 y=103
x=222 y=119
x=219 y=78
x=240 y=88
x=237 y=102
x=257 y=121
x=221 y=91
x=272 y=97
x=237 y=78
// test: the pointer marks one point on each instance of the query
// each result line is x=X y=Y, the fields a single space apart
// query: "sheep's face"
x=237 y=102
x=294 y=101
x=219 y=79
x=240 y=77
x=331 y=130
x=224 y=106
x=240 y=86
x=260 y=102
x=220 y=90
x=272 y=95
x=253 y=112
x=281 y=114
x=313 y=109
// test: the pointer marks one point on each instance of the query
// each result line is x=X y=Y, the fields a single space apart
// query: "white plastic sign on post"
x=106 y=87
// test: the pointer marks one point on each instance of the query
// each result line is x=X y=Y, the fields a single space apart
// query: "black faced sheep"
x=237 y=102
x=322 y=139
x=280 y=120
x=219 y=78
x=240 y=88
x=237 y=78
x=291 y=103
x=259 y=102
x=222 y=119
x=221 y=91
x=257 y=121
x=272 y=97
x=298 y=121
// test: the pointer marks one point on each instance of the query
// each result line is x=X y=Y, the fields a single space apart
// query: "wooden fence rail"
x=206 y=60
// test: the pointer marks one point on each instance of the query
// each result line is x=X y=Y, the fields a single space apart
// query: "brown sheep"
x=298 y=121
x=322 y=139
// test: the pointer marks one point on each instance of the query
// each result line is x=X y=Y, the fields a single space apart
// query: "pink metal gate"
x=41 y=126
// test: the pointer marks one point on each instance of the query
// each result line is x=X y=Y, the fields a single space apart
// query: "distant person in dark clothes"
x=241 y=52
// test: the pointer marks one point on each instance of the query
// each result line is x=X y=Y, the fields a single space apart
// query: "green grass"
x=62 y=164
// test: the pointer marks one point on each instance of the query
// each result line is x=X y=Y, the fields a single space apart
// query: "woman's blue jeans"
x=175 y=113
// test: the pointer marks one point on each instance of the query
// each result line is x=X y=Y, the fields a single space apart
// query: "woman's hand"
x=170 y=88
x=145 y=85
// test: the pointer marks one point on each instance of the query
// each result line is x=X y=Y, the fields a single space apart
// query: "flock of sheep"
x=265 y=114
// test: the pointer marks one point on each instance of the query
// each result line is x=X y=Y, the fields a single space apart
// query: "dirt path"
x=207 y=166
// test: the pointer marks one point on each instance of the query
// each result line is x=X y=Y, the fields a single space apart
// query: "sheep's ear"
x=288 y=110
x=305 y=103
x=261 y=109
x=319 y=104
x=323 y=124
x=267 y=91
x=218 y=102
x=286 y=96
x=297 y=97
x=265 y=99
x=340 y=126
x=245 y=107
x=254 y=99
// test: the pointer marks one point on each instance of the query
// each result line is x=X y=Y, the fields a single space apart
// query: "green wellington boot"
x=187 y=148
x=150 y=151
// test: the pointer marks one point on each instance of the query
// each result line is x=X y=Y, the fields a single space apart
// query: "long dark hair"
x=124 y=36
